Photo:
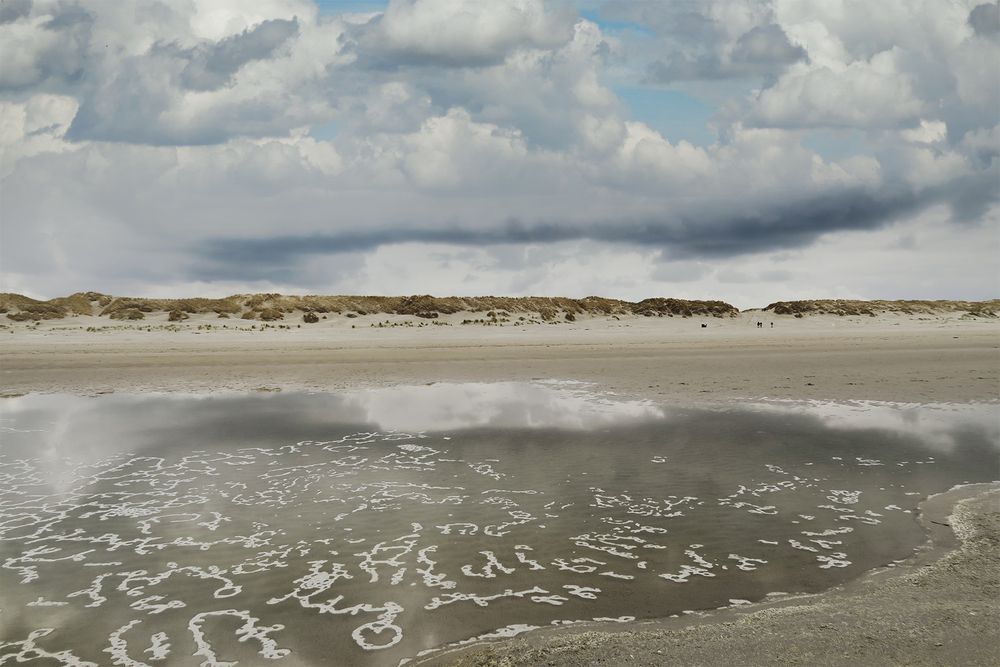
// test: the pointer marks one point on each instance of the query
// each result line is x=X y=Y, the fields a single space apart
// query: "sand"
x=890 y=358
x=940 y=612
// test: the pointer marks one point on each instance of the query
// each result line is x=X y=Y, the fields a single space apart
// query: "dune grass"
x=271 y=307
x=844 y=307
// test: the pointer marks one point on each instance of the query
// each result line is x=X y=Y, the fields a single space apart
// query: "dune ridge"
x=271 y=307
x=880 y=306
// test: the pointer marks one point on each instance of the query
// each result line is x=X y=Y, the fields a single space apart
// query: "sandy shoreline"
x=824 y=357
x=926 y=613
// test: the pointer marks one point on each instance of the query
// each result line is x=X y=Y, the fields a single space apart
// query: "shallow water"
x=365 y=528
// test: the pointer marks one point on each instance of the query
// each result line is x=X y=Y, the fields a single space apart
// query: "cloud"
x=458 y=33
x=267 y=145
x=862 y=94
x=13 y=10
x=47 y=48
x=767 y=45
x=33 y=127
x=210 y=67
x=985 y=19
x=449 y=149
x=174 y=73
x=693 y=236
x=899 y=65
x=763 y=50
x=199 y=76
x=545 y=93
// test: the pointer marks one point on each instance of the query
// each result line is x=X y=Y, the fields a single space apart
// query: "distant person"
x=772 y=325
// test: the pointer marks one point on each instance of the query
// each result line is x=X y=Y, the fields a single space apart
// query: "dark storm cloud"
x=69 y=17
x=284 y=249
x=761 y=51
x=12 y=10
x=768 y=46
x=985 y=19
x=212 y=66
x=791 y=225
x=970 y=198
x=120 y=109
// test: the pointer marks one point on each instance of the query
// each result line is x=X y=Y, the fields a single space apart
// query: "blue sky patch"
x=674 y=114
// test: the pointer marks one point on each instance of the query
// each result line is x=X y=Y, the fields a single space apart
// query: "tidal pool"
x=368 y=528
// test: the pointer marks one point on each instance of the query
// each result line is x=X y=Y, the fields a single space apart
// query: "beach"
x=938 y=607
x=386 y=333
x=887 y=358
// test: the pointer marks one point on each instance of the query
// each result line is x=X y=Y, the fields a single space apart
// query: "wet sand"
x=940 y=613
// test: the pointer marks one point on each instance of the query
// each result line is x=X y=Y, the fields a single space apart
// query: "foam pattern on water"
x=379 y=546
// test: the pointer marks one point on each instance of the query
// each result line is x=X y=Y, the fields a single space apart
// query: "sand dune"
x=310 y=309
x=272 y=307
x=843 y=307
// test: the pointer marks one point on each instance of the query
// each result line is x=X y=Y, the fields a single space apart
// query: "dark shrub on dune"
x=128 y=314
x=874 y=308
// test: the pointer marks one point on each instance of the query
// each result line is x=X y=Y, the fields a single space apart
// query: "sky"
x=743 y=150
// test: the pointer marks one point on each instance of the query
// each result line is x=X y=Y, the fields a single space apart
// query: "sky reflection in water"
x=375 y=525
